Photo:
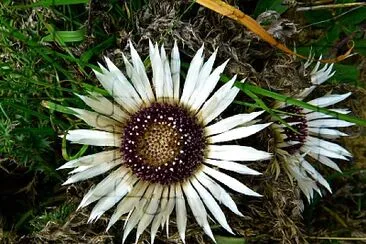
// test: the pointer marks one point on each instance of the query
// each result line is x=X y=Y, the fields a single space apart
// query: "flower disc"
x=299 y=125
x=163 y=143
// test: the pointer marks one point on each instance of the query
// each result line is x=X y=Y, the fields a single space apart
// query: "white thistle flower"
x=312 y=130
x=168 y=152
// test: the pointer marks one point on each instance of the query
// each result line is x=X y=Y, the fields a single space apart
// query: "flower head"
x=307 y=140
x=167 y=150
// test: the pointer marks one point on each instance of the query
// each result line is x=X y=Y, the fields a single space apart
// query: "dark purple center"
x=163 y=143
x=296 y=116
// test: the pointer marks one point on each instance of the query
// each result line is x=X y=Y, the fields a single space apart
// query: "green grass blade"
x=292 y=101
x=261 y=104
x=66 y=155
x=49 y=3
x=57 y=107
x=229 y=240
x=86 y=56
x=92 y=88
x=65 y=36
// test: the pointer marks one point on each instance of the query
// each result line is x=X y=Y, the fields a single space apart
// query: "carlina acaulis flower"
x=309 y=139
x=164 y=150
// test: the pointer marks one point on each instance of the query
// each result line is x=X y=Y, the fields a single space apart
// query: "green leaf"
x=360 y=46
x=344 y=16
x=48 y=3
x=57 y=107
x=354 y=17
x=92 y=88
x=65 y=36
x=318 y=16
x=346 y=73
x=229 y=240
x=264 y=5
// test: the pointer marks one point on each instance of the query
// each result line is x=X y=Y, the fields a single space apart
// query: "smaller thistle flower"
x=308 y=140
x=168 y=150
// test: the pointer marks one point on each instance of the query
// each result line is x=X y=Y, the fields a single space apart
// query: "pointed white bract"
x=146 y=203
x=218 y=192
x=181 y=212
x=139 y=67
x=238 y=133
x=298 y=151
x=192 y=76
x=94 y=137
x=175 y=70
x=98 y=121
x=102 y=105
x=197 y=207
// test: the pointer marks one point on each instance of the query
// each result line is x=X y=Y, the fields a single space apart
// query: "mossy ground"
x=40 y=63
